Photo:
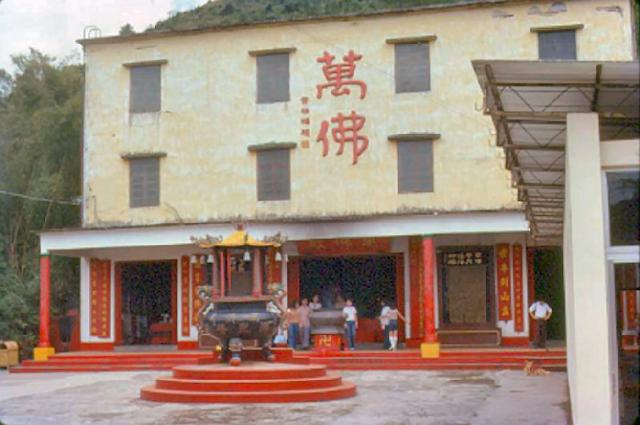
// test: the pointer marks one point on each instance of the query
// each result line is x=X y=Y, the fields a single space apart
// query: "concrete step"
x=330 y=380
x=291 y=396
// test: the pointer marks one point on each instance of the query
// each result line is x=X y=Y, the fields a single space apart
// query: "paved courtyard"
x=384 y=398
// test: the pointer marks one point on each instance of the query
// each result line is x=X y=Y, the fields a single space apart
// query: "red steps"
x=252 y=382
x=554 y=359
x=448 y=360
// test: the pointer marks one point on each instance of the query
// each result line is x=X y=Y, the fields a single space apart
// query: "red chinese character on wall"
x=345 y=131
x=340 y=75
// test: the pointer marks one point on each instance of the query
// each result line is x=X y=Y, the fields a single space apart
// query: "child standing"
x=351 y=323
x=393 y=315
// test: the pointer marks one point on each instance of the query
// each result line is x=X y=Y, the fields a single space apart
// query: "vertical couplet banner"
x=100 y=308
x=630 y=298
x=198 y=278
x=184 y=296
x=504 y=282
x=518 y=297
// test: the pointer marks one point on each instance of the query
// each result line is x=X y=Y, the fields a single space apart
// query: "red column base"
x=42 y=354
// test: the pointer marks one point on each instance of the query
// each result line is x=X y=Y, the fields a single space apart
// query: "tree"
x=126 y=29
x=40 y=130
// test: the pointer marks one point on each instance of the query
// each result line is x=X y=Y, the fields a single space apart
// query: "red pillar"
x=430 y=347
x=45 y=291
x=428 y=255
x=257 y=273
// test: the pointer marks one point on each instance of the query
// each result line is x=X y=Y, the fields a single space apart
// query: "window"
x=624 y=204
x=274 y=175
x=144 y=182
x=557 y=44
x=412 y=67
x=144 y=90
x=415 y=166
x=272 y=78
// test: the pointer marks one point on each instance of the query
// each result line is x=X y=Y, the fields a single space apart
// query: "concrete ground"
x=384 y=398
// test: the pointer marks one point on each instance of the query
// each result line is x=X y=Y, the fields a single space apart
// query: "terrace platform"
x=502 y=358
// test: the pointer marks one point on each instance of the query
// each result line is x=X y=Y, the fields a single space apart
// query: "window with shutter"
x=412 y=67
x=415 y=166
x=144 y=182
x=144 y=89
x=557 y=45
x=273 y=78
x=274 y=175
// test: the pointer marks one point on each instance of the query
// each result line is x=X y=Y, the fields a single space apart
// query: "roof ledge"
x=408 y=40
x=271 y=146
x=413 y=137
x=140 y=155
x=557 y=28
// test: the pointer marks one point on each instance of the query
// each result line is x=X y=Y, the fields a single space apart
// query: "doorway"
x=466 y=288
x=147 y=302
x=365 y=279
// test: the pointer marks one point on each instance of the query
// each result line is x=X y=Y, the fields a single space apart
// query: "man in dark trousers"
x=540 y=312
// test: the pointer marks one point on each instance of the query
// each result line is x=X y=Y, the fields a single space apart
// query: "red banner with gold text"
x=184 y=296
x=197 y=277
x=504 y=282
x=518 y=295
x=100 y=308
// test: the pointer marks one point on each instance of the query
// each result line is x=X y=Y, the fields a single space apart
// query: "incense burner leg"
x=235 y=347
x=267 y=354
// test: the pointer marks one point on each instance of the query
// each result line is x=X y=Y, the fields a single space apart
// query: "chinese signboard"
x=465 y=258
x=518 y=299
x=343 y=127
x=504 y=282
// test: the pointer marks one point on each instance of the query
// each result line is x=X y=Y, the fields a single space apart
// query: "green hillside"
x=233 y=12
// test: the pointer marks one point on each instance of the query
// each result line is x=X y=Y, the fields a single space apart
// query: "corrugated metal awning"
x=528 y=102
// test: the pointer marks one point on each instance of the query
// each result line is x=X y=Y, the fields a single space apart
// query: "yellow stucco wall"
x=209 y=115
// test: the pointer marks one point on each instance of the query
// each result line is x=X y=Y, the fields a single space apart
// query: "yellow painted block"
x=42 y=354
x=430 y=350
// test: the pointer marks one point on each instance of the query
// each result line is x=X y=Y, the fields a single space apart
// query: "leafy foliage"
x=40 y=128
x=233 y=12
x=126 y=29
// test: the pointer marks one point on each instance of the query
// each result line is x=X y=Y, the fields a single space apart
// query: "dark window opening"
x=412 y=67
x=144 y=89
x=144 y=182
x=557 y=45
x=272 y=78
x=415 y=166
x=624 y=205
x=274 y=175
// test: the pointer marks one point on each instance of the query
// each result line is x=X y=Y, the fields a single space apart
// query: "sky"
x=53 y=26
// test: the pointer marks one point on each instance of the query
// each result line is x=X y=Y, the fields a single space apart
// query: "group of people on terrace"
x=298 y=325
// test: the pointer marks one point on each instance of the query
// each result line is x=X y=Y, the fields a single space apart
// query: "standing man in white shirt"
x=351 y=323
x=384 y=324
x=540 y=312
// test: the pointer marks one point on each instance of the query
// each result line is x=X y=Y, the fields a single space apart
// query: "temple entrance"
x=147 y=303
x=466 y=296
x=365 y=279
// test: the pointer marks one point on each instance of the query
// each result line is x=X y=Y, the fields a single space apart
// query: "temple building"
x=374 y=147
